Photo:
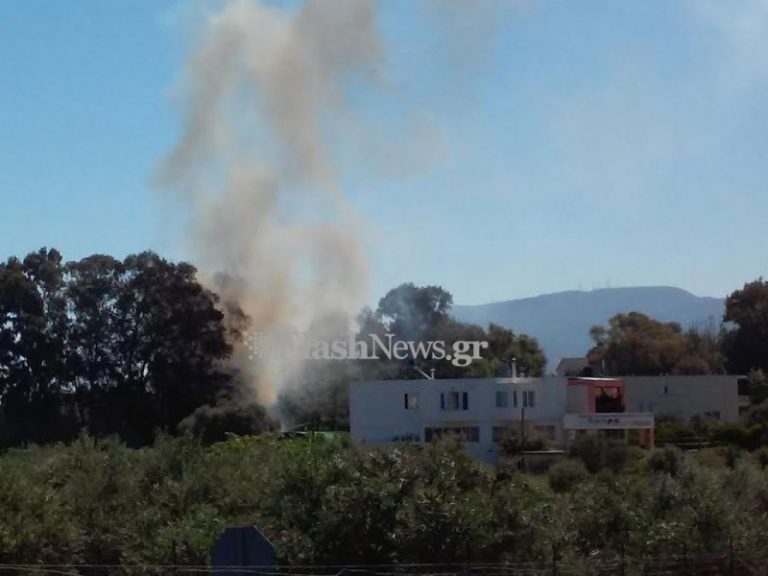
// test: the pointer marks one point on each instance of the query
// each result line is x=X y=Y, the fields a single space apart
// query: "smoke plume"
x=254 y=170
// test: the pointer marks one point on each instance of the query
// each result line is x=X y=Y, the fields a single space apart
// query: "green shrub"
x=761 y=456
x=597 y=452
x=514 y=444
x=666 y=460
x=673 y=431
x=589 y=449
x=566 y=475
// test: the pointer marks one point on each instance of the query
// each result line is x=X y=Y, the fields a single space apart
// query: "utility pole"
x=522 y=438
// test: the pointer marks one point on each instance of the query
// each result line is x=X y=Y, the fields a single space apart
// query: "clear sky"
x=547 y=146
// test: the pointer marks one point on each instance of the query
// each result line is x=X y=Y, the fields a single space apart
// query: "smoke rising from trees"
x=253 y=166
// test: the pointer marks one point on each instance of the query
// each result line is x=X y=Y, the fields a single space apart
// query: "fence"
x=730 y=563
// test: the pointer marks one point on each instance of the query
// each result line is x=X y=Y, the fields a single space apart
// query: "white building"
x=484 y=411
x=481 y=410
x=683 y=397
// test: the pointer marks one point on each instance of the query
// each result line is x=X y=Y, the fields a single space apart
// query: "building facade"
x=685 y=397
x=485 y=411
x=482 y=411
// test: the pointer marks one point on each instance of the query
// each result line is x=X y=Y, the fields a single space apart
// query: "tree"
x=504 y=346
x=703 y=352
x=423 y=314
x=93 y=289
x=214 y=423
x=320 y=405
x=172 y=340
x=33 y=338
x=746 y=343
x=411 y=312
x=635 y=344
x=419 y=314
x=115 y=347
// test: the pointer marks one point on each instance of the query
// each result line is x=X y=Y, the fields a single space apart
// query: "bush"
x=616 y=456
x=732 y=454
x=566 y=475
x=589 y=449
x=215 y=423
x=598 y=452
x=667 y=460
x=336 y=501
x=673 y=431
x=761 y=456
x=514 y=445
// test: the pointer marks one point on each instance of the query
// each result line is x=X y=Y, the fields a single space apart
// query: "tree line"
x=138 y=346
x=125 y=347
x=633 y=343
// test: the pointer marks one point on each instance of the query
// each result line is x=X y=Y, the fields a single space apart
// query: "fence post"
x=554 y=559
x=623 y=560
x=731 y=566
x=174 y=555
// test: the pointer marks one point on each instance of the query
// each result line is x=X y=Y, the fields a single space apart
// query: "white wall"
x=684 y=396
x=378 y=414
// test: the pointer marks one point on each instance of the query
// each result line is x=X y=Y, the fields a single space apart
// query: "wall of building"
x=684 y=396
x=378 y=410
x=380 y=413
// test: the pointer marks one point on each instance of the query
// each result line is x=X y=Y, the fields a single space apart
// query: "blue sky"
x=520 y=147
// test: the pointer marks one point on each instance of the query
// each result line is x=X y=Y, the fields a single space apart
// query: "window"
x=411 y=400
x=449 y=401
x=514 y=398
x=743 y=387
x=529 y=401
x=713 y=415
x=466 y=433
x=501 y=433
x=454 y=401
x=502 y=399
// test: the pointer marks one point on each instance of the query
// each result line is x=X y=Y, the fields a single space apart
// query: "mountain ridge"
x=560 y=321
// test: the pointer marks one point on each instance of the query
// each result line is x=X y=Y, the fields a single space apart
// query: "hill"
x=561 y=321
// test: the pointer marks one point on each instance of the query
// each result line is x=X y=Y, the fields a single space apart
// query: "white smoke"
x=264 y=105
x=254 y=165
